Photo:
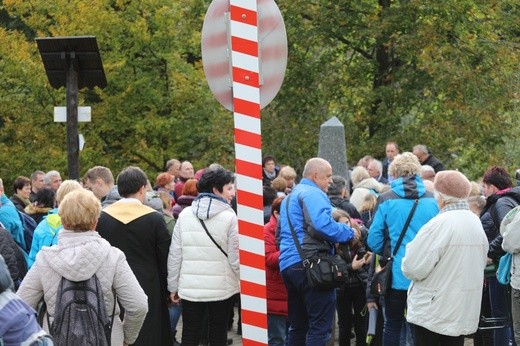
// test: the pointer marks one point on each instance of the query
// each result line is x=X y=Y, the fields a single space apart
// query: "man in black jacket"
x=426 y=158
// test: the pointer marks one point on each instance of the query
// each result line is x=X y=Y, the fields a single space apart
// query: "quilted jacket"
x=197 y=269
x=77 y=257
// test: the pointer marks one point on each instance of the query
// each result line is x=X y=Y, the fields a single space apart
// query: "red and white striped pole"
x=248 y=151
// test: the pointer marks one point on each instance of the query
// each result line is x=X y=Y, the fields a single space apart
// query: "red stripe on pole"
x=242 y=15
x=249 y=342
x=250 y=199
x=246 y=77
x=250 y=229
x=252 y=260
x=251 y=289
x=254 y=318
x=244 y=46
x=245 y=107
x=248 y=138
x=250 y=169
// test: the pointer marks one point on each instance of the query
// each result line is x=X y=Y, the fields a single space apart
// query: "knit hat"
x=452 y=183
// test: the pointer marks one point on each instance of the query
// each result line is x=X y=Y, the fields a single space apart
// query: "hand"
x=368 y=257
x=357 y=263
x=174 y=297
x=489 y=260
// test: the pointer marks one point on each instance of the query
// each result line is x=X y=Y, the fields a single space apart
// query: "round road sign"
x=216 y=51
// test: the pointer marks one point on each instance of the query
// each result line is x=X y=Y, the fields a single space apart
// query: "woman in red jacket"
x=276 y=291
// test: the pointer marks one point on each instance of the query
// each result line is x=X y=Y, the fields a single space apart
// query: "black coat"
x=13 y=257
x=496 y=208
x=344 y=204
x=145 y=241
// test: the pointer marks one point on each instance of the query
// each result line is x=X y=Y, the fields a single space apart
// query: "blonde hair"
x=404 y=165
x=369 y=203
x=79 y=210
x=359 y=173
x=287 y=172
x=279 y=184
x=65 y=188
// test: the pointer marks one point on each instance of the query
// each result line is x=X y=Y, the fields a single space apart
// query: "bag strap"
x=407 y=223
x=212 y=239
x=295 y=238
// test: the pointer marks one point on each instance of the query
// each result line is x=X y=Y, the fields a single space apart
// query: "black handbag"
x=382 y=279
x=324 y=271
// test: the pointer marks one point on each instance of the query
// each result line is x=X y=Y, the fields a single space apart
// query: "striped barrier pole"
x=243 y=27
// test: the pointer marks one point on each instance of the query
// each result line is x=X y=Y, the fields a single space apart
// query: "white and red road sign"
x=270 y=47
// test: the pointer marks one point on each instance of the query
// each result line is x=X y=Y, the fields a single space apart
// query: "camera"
x=361 y=252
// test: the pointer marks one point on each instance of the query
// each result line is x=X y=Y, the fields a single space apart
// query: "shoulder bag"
x=382 y=280
x=324 y=271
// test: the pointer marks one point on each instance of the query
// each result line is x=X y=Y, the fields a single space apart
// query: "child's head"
x=340 y=215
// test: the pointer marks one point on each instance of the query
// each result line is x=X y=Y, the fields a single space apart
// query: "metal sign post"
x=74 y=63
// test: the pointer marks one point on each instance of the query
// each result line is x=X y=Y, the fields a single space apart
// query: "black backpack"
x=80 y=317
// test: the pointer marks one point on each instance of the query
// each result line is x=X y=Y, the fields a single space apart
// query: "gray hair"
x=422 y=148
x=48 y=176
x=336 y=187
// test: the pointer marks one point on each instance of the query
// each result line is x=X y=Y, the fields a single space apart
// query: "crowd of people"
x=169 y=249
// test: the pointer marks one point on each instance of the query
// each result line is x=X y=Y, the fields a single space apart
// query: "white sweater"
x=197 y=270
x=446 y=262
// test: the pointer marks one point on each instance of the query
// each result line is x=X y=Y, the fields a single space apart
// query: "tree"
x=443 y=74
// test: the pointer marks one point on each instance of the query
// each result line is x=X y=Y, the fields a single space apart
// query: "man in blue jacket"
x=392 y=210
x=311 y=311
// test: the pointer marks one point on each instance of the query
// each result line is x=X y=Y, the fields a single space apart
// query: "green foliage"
x=444 y=74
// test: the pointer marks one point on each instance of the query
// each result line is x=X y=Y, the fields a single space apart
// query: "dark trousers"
x=311 y=312
x=395 y=306
x=425 y=337
x=350 y=302
x=192 y=320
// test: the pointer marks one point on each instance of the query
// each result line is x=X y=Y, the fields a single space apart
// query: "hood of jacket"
x=78 y=255
x=411 y=187
x=207 y=205
x=33 y=209
x=371 y=184
x=111 y=197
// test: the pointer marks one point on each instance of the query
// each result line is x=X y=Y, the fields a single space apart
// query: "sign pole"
x=72 y=115
x=243 y=27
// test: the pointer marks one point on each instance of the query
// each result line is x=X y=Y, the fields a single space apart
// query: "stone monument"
x=332 y=146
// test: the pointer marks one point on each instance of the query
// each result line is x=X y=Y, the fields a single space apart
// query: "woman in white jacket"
x=203 y=265
x=446 y=262
x=79 y=254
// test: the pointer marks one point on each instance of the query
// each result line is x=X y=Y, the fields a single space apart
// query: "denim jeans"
x=175 y=312
x=350 y=302
x=276 y=329
x=193 y=315
x=311 y=311
x=499 y=308
x=395 y=306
